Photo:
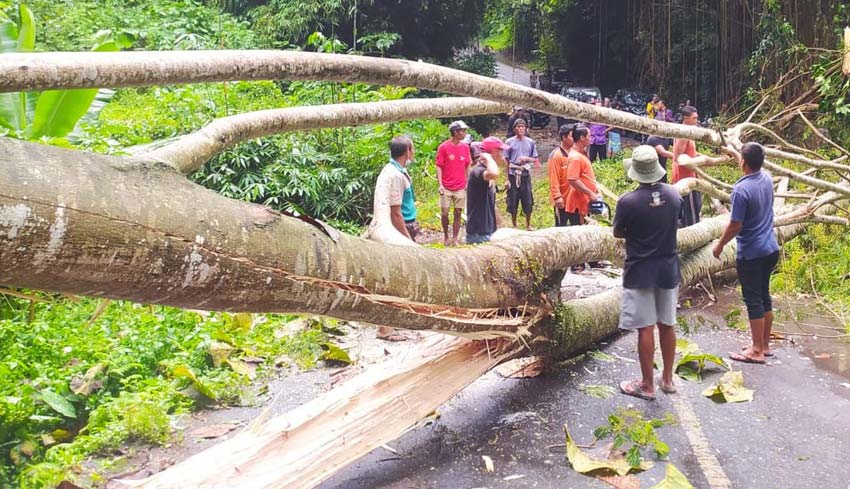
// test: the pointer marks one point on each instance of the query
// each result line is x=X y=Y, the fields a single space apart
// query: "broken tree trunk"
x=136 y=229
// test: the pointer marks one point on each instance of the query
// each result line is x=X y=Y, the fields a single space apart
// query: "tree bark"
x=191 y=151
x=44 y=71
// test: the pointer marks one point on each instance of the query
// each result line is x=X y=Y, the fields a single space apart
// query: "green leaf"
x=334 y=353
x=219 y=352
x=183 y=371
x=601 y=356
x=247 y=369
x=26 y=30
x=673 y=480
x=730 y=388
x=58 y=111
x=58 y=403
x=597 y=391
x=583 y=463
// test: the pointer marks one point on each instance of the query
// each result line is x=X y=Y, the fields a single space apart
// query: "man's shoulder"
x=511 y=139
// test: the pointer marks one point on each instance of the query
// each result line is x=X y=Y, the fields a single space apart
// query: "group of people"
x=467 y=173
x=647 y=218
x=657 y=109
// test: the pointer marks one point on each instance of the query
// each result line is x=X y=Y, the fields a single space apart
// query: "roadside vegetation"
x=80 y=376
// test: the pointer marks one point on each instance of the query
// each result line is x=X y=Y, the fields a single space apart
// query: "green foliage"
x=817 y=263
x=72 y=25
x=475 y=61
x=71 y=386
x=50 y=115
x=433 y=29
x=631 y=432
x=692 y=361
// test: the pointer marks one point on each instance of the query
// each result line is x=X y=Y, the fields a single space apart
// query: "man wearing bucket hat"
x=647 y=218
x=453 y=161
x=481 y=191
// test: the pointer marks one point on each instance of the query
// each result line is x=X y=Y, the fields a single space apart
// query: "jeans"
x=754 y=276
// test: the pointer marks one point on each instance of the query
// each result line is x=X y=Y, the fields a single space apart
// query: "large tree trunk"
x=136 y=229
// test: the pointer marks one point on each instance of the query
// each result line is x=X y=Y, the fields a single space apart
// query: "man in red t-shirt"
x=684 y=156
x=453 y=160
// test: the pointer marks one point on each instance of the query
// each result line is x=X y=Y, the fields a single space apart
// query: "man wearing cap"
x=453 y=161
x=521 y=154
x=559 y=186
x=647 y=218
x=481 y=191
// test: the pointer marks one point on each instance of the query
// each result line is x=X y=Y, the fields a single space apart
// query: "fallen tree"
x=134 y=228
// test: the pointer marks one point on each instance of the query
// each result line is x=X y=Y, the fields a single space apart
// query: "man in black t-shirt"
x=662 y=149
x=648 y=220
x=481 y=191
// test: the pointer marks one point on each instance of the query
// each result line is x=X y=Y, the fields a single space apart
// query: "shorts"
x=754 y=276
x=412 y=229
x=478 y=238
x=647 y=307
x=520 y=194
x=456 y=198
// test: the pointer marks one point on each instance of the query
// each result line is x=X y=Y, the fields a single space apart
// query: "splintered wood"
x=305 y=446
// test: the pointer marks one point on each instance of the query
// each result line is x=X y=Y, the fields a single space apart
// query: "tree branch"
x=191 y=151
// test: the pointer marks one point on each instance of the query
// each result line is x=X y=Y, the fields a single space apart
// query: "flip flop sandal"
x=632 y=388
x=768 y=354
x=744 y=359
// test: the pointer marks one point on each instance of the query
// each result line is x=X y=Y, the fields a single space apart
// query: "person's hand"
x=718 y=249
x=594 y=196
x=442 y=190
x=559 y=203
x=717 y=160
x=507 y=184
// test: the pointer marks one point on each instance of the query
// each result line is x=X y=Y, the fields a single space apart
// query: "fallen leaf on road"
x=673 y=480
x=584 y=463
x=621 y=481
x=730 y=388
x=214 y=430
x=845 y=385
x=513 y=477
x=488 y=464
x=823 y=356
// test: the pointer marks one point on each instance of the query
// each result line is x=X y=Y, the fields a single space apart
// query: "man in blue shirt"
x=521 y=155
x=758 y=251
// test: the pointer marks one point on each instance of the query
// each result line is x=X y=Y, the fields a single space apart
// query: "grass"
x=71 y=386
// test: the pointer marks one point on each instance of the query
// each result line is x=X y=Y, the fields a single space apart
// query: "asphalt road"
x=794 y=434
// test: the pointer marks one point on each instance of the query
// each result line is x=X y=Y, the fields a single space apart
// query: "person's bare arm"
x=663 y=152
x=440 y=178
x=732 y=230
x=398 y=221
x=581 y=187
x=492 y=168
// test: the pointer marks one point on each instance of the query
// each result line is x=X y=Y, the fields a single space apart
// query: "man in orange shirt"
x=559 y=186
x=685 y=153
x=580 y=177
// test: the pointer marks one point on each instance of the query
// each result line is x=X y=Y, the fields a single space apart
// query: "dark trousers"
x=597 y=152
x=520 y=195
x=754 y=276
x=564 y=218
x=691 y=208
